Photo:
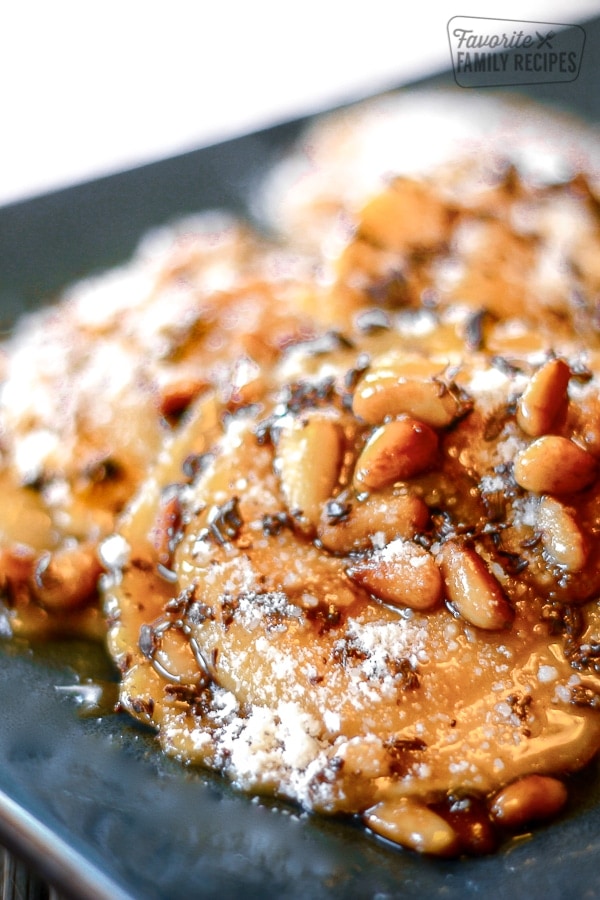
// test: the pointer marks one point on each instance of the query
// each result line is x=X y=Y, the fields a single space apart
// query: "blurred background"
x=93 y=88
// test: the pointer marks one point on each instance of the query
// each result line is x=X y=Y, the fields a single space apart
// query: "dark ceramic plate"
x=90 y=801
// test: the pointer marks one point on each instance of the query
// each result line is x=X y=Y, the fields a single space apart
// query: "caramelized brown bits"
x=585 y=697
x=554 y=465
x=224 y=521
x=529 y=799
x=544 y=399
x=472 y=589
x=176 y=397
x=396 y=451
x=496 y=421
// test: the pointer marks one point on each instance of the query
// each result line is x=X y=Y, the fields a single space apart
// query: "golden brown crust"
x=444 y=630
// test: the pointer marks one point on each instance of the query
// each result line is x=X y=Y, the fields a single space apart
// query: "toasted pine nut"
x=413 y=825
x=561 y=536
x=544 y=398
x=394 y=386
x=554 y=465
x=402 y=573
x=472 y=588
x=395 y=451
x=67 y=578
x=528 y=799
x=308 y=459
x=352 y=524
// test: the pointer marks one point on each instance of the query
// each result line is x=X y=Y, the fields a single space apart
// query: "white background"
x=89 y=88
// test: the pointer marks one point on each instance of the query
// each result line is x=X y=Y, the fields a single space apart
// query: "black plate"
x=90 y=801
x=102 y=814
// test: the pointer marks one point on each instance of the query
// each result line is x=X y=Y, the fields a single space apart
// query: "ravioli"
x=95 y=383
x=373 y=589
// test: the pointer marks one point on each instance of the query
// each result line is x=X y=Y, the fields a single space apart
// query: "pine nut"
x=413 y=386
x=554 y=465
x=544 y=398
x=402 y=573
x=396 y=451
x=67 y=578
x=352 y=524
x=529 y=799
x=561 y=537
x=308 y=459
x=470 y=818
x=473 y=590
x=413 y=825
